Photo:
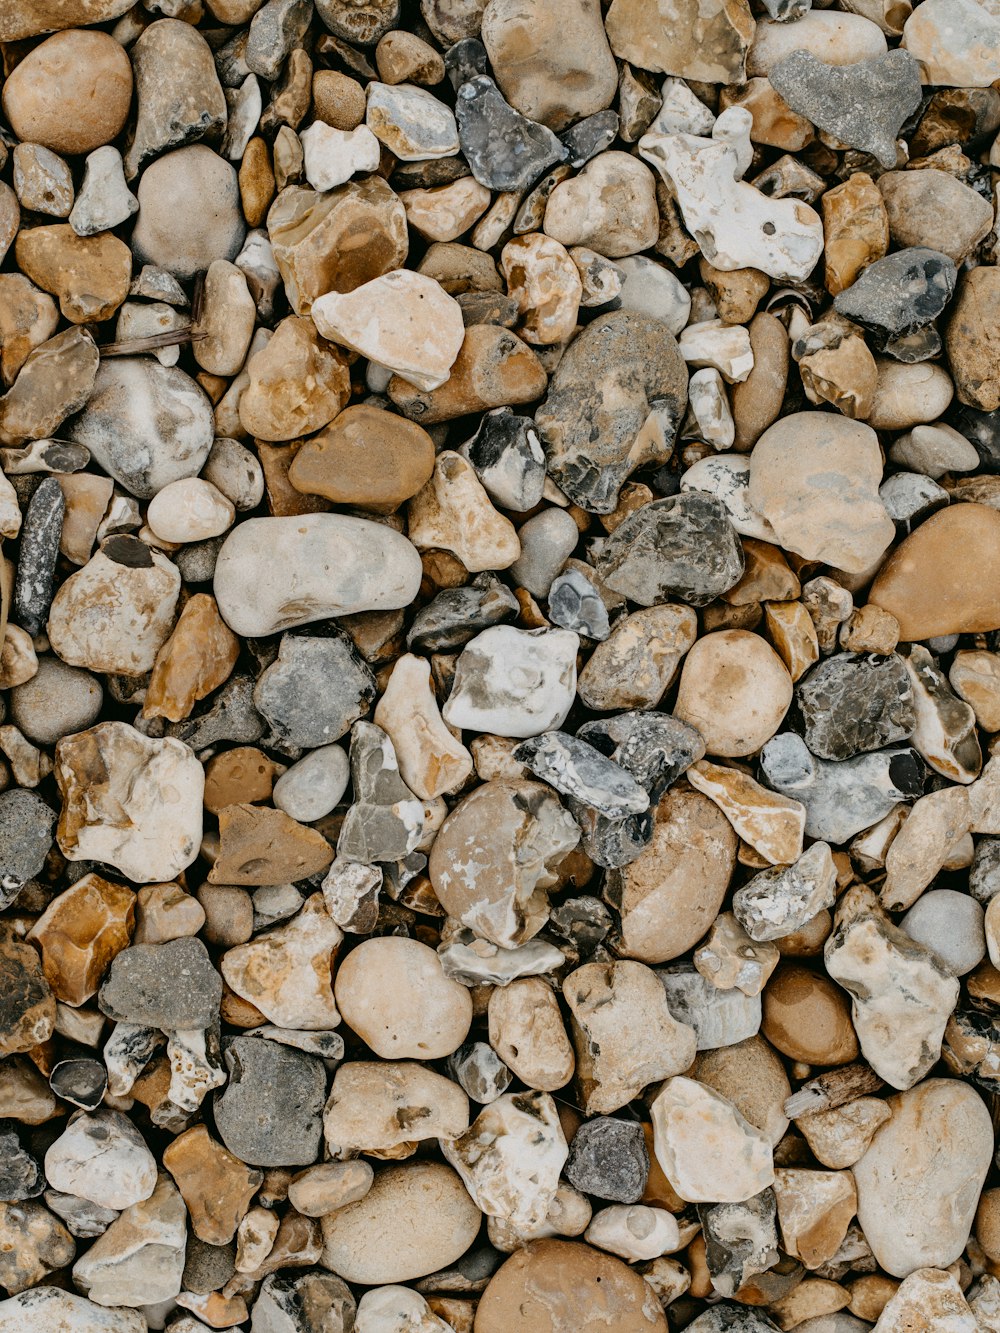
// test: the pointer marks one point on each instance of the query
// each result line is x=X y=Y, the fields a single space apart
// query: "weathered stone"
x=198 y=657
x=79 y=934
x=71 y=92
x=972 y=340
x=609 y=207
x=773 y=825
x=166 y=986
x=261 y=846
x=366 y=457
x=385 y=1110
x=140 y=1258
x=706 y=1149
x=88 y=274
x=270 y=1113
x=814 y=1211
x=956 y=44
x=285 y=972
x=177 y=110
x=741 y=1240
x=297 y=696
x=452 y=512
x=102 y=1157
x=216 y=1186
x=705 y=43
x=493 y=369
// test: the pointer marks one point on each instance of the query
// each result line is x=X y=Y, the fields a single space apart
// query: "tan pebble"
x=166 y=912
x=774 y=122
x=79 y=934
x=338 y=99
x=856 y=228
x=494 y=368
x=840 y=1137
x=228 y=914
x=447 y=211
x=256 y=180
x=735 y=690
x=772 y=824
x=366 y=457
x=71 y=93
x=870 y=1294
x=431 y=761
x=793 y=634
x=972 y=340
x=87 y=498
x=323 y=1189
x=384 y=1109
x=545 y=282
x=909 y=395
x=198 y=657
x=242 y=775
x=453 y=512
x=255 y=1237
x=18 y=660
x=757 y=401
x=975 y=677
x=869 y=629
x=527 y=1032
x=931 y=208
x=807 y=1017
x=736 y=293
x=216 y=1186
x=635 y=665
x=258 y=845
x=811 y=1299
x=751 y=1076
x=89 y=274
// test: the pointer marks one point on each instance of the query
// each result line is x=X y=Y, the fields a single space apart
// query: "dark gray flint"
x=853 y=704
x=315 y=690
x=576 y=604
x=36 y=561
x=271 y=1110
x=900 y=293
x=741 y=1240
x=581 y=771
x=505 y=150
x=608 y=1158
x=26 y=824
x=20 y=1174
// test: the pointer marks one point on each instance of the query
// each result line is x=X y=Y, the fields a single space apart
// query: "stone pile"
x=499 y=666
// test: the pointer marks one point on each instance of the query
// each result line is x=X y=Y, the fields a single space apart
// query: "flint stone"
x=271 y=1111
x=386 y=821
x=741 y=1240
x=102 y=1157
x=276 y=573
x=456 y=615
x=842 y=798
x=780 y=901
x=615 y=402
x=20 y=1174
x=36 y=564
x=51 y=1310
x=166 y=986
x=579 y=770
x=314 y=691
x=901 y=293
x=863 y=104
x=508 y=459
x=26 y=824
x=576 y=604
x=514 y=682
x=608 y=1158
x=505 y=150
x=683 y=546
x=719 y=1017
x=854 y=704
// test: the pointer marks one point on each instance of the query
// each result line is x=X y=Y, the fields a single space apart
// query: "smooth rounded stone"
x=527 y=1033
x=933 y=208
x=104 y=200
x=815 y=478
x=863 y=103
x=225 y=326
x=452 y=513
x=934 y=450
x=235 y=471
x=276 y=573
x=649 y=288
x=189 y=510
x=43 y=1309
x=706 y=1149
x=270 y=1112
x=750 y=1075
x=71 y=93
x=312 y=788
x=806 y=1017
x=683 y=545
x=940 y=579
x=336 y=241
x=371 y=1242
x=273 y=406
x=145 y=424
x=387 y=1109
x=314 y=690
x=394 y=995
x=169 y=986
x=634 y=666
x=552 y=61
x=189 y=212
x=545 y=282
x=331 y=1185
x=852 y=704
x=634 y=1233
x=836 y=38
x=89 y=274
x=395 y=1309
x=497 y=854
x=412 y=123
x=609 y=207
x=971 y=340
x=975 y=677
x=898 y=295
x=919 y=1182
x=951 y=925
x=670 y=894
x=367 y=456
x=102 y=1157
x=909 y=394
x=735 y=690
x=955 y=44
x=547 y=541
x=514 y=682
x=608 y=1158
x=614 y=403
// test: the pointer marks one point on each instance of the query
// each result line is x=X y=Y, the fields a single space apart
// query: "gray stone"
x=464 y=60
x=575 y=603
x=741 y=1240
x=274 y=30
x=315 y=1302
x=456 y=615
x=166 y=986
x=315 y=690
x=863 y=104
x=231 y=717
x=20 y=1173
x=583 y=922
x=608 y=1158
x=82 y=1083
x=984 y=873
x=681 y=547
x=386 y=820
x=83 y=1218
x=615 y=402
x=852 y=704
x=590 y=136
x=26 y=824
x=34 y=579
x=909 y=498
x=271 y=1111
x=843 y=798
x=508 y=459
x=57 y=701
x=505 y=150
x=207 y=1267
x=900 y=293
x=548 y=539
x=197 y=560
x=719 y=1017
x=581 y=771
x=189 y=211
x=726 y=1318
x=479 y=1070
x=782 y=899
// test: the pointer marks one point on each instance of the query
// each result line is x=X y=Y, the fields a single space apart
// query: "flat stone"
x=270 y=1113
x=27 y=1009
x=719 y=1018
x=261 y=846
x=927 y=1293
x=386 y=821
x=773 y=825
x=732 y=1161
x=141 y=1255
x=44 y=1308
x=814 y=1211
x=366 y=457
x=932 y=208
x=166 y=986
x=198 y=657
x=431 y=761
x=608 y=1158
x=294 y=694
x=216 y=1186
x=102 y=1157
x=694 y=42
x=88 y=274
x=104 y=200
x=385 y=1109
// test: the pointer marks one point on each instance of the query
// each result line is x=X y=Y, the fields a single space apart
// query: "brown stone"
x=870 y=1294
x=493 y=369
x=403 y=57
x=338 y=99
x=79 y=934
x=298 y=383
x=556 y=1286
x=87 y=498
x=27 y=318
x=256 y=179
x=216 y=1186
x=89 y=274
x=71 y=93
x=815 y=1209
x=856 y=230
x=33 y=17
x=807 y=1017
x=366 y=457
x=774 y=122
x=27 y=1005
x=757 y=401
x=198 y=657
x=336 y=241
x=244 y=775
x=932 y=208
x=945 y=577
x=166 y=912
x=670 y=895
x=55 y=381
x=33 y=1244
x=258 y=845
x=751 y=1076
x=735 y=690
x=972 y=339
x=283 y=500
x=737 y=293
x=793 y=634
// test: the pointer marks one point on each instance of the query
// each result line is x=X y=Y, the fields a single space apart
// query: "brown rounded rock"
x=298 y=383
x=493 y=369
x=807 y=1017
x=988 y=1224
x=945 y=577
x=972 y=339
x=753 y=1078
x=71 y=93
x=89 y=274
x=557 y=1286
x=735 y=689
x=366 y=457
x=338 y=100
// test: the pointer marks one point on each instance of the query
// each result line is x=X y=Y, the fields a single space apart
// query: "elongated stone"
x=505 y=150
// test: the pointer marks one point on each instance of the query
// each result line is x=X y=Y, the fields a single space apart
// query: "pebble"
x=934 y=209
x=954 y=46
x=104 y=200
x=411 y=122
x=270 y=1113
x=186 y=240
x=608 y=1157
x=514 y=682
x=101 y=1157
x=733 y=1161
x=734 y=690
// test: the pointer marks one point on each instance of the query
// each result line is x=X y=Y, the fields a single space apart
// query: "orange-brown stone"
x=366 y=457
x=80 y=932
x=198 y=657
x=88 y=274
x=241 y=776
x=807 y=1017
x=216 y=1186
x=259 y=845
x=493 y=369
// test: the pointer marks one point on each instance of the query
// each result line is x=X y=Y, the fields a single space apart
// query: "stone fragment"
x=624 y=1033
x=596 y=431
x=216 y=1187
x=781 y=901
x=741 y=1240
x=732 y=1160
x=260 y=846
x=27 y=1006
x=735 y=690
x=130 y=801
x=336 y=241
x=955 y=45
x=452 y=512
x=431 y=761
x=972 y=338
x=636 y=663
x=403 y=320
x=480 y=1071
x=902 y=993
x=928 y=1294
x=45 y=1308
x=384 y=1109
x=609 y=207
x=945 y=731
x=505 y=150
x=140 y=1258
x=275 y=573
x=35 y=1244
x=333 y=156
x=43 y=182
x=197 y=658
x=71 y=92
x=841 y=1136
x=773 y=825
x=493 y=369
x=102 y=1157
x=919 y=1182
x=412 y=123
x=578 y=770
x=526 y=1031
x=608 y=1158
x=900 y=294
x=167 y=986
x=729 y=958
x=814 y=1211
x=974 y=675
x=104 y=200
x=852 y=705
x=285 y=972
x=703 y=43
x=270 y=1113
x=79 y=934
x=385 y=821
x=738 y=226
x=856 y=230
x=514 y=682
x=719 y=1017
x=294 y=694
x=88 y=274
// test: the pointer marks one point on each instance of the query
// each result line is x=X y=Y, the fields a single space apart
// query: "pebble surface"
x=499 y=666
